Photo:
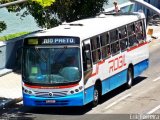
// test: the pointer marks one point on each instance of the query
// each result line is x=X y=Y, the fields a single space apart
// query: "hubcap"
x=130 y=79
x=95 y=95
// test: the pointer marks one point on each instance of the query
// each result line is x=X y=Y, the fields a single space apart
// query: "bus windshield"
x=51 y=65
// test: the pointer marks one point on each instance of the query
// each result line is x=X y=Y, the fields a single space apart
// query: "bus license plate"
x=50 y=101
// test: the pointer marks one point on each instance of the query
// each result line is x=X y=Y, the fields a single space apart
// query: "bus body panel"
x=88 y=95
x=105 y=86
x=140 y=67
x=70 y=100
x=39 y=95
x=139 y=57
x=112 y=79
x=111 y=71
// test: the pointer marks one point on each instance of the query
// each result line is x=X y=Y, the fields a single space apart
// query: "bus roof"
x=90 y=27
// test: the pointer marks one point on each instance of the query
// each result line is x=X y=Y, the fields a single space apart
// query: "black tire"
x=129 y=78
x=96 y=96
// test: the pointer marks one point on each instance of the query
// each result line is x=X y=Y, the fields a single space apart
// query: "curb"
x=4 y=71
x=10 y=102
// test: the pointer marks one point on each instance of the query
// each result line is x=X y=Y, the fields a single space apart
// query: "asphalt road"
x=135 y=103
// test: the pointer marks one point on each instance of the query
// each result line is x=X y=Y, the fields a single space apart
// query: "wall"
x=2 y=55
x=8 y=53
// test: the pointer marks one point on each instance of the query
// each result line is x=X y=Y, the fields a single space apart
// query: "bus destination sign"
x=52 y=41
x=59 y=41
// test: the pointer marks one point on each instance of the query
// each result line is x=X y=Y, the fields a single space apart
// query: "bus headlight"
x=30 y=92
x=27 y=91
x=76 y=90
x=71 y=91
x=80 y=88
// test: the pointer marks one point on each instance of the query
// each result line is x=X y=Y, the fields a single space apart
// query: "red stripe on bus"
x=97 y=68
x=101 y=62
x=55 y=87
x=94 y=74
x=135 y=47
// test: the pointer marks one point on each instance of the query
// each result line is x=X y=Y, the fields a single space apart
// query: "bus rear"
x=51 y=71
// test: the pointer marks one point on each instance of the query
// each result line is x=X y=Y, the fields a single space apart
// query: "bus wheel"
x=95 y=96
x=129 y=78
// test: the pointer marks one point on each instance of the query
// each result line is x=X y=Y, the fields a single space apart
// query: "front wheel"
x=129 y=78
x=95 y=97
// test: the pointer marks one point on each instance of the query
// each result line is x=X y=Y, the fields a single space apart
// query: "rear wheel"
x=129 y=78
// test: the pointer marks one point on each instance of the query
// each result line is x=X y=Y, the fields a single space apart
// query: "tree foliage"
x=45 y=3
x=3 y=26
x=53 y=12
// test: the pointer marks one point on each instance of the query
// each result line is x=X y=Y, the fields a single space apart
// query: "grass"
x=11 y=36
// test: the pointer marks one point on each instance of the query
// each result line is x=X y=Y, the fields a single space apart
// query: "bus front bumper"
x=70 y=100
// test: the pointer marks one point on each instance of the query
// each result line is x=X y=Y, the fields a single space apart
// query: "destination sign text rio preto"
x=52 y=41
x=59 y=41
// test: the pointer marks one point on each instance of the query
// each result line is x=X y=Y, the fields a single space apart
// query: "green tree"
x=2 y=26
x=44 y=3
x=54 y=12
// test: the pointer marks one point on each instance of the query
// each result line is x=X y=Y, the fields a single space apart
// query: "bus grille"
x=50 y=94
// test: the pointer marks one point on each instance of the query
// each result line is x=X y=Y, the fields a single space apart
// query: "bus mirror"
x=87 y=52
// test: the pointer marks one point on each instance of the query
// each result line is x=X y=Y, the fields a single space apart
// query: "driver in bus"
x=70 y=61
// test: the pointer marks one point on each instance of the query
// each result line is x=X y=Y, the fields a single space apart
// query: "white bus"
x=75 y=63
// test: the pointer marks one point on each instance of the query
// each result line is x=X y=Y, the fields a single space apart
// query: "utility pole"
x=12 y=3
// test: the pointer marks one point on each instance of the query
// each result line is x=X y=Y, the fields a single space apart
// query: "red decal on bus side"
x=112 y=66
x=97 y=68
x=117 y=63
x=101 y=62
x=120 y=62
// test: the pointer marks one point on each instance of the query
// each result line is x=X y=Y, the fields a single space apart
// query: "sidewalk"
x=10 y=89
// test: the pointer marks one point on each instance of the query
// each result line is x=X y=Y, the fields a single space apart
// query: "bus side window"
x=144 y=29
x=124 y=44
x=123 y=38
x=131 y=29
x=139 y=31
x=113 y=35
x=87 y=64
x=115 y=48
x=105 y=47
x=96 y=52
x=132 y=35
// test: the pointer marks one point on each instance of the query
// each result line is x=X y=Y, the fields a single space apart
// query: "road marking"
x=153 y=110
x=156 y=79
x=116 y=102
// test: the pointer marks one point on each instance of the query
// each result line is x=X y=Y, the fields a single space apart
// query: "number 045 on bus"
x=76 y=63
